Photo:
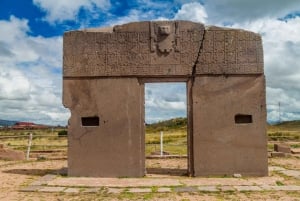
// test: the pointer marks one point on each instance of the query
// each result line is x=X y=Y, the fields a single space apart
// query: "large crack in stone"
x=198 y=56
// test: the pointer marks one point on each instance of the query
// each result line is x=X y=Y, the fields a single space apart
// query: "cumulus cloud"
x=164 y=101
x=13 y=85
x=61 y=10
x=192 y=11
x=30 y=75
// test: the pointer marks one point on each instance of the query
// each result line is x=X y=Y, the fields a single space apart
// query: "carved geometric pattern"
x=130 y=53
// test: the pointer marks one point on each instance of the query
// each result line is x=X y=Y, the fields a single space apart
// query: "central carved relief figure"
x=104 y=72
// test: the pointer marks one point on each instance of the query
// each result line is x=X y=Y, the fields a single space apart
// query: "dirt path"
x=15 y=175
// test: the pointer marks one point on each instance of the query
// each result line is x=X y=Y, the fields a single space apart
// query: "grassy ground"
x=175 y=137
x=42 y=139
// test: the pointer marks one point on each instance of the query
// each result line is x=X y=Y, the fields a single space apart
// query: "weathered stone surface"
x=227 y=188
x=31 y=188
x=164 y=190
x=208 y=188
x=284 y=148
x=292 y=173
x=115 y=190
x=92 y=190
x=72 y=190
x=137 y=49
x=142 y=49
x=140 y=190
x=104 y=73
x=115 y=147
x=221 y=144
x=186 y=189
x=230 y=51
x=248 y=188
x=52 y=189
x=113 y=182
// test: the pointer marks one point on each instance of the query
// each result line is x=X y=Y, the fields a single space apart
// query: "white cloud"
x=13 y=85
x=193 y=12
x=30 y=75
x=164 y=101
x=235 y=11
x=61 y=10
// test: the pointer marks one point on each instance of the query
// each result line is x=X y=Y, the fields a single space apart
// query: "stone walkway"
x=56 y=183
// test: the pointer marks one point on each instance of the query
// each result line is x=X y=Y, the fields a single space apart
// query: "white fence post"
x=161 y=143
x=29 y=145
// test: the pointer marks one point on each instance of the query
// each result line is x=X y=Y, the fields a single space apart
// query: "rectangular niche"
x=243 y=119
x=90 y=121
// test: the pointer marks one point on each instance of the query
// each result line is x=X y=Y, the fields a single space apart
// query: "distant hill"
x=287 y=125
x=181 y=124
x=167 y=125
x=7 y=122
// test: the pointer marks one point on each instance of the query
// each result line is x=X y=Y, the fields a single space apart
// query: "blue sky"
x=31 y=50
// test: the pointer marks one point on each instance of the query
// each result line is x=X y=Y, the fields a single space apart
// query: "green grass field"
x=175 y=137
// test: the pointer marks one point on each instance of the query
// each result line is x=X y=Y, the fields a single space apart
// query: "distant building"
x=27 y=126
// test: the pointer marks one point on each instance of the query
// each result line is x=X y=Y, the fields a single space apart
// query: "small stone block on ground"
x=295 y=151
x=164 y=190
x=282 y=148
x=248 y=188
x=52 y=189
x=208 y=188
x=186 y=189
x=72 y=190
x=140 y=190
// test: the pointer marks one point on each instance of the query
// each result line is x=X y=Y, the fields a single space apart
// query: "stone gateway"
x=104 y=72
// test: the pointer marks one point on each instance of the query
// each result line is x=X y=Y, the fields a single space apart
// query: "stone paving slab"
x=113 y=182
x=276 y=168
x=72 y=190
x=267 y=187
x=231 y=181
x=52 y=189
x=227 y=188
x=91 y=190
x=208 y=188
x=140 y=190
x=31 y=188
x=248 y=188
x=115 y=190
x=44 y=180
x=186 y=189
x=164 y=190
x=286 y=188
x=292 y=173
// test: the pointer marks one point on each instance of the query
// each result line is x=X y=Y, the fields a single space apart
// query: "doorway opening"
x=166 y=128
